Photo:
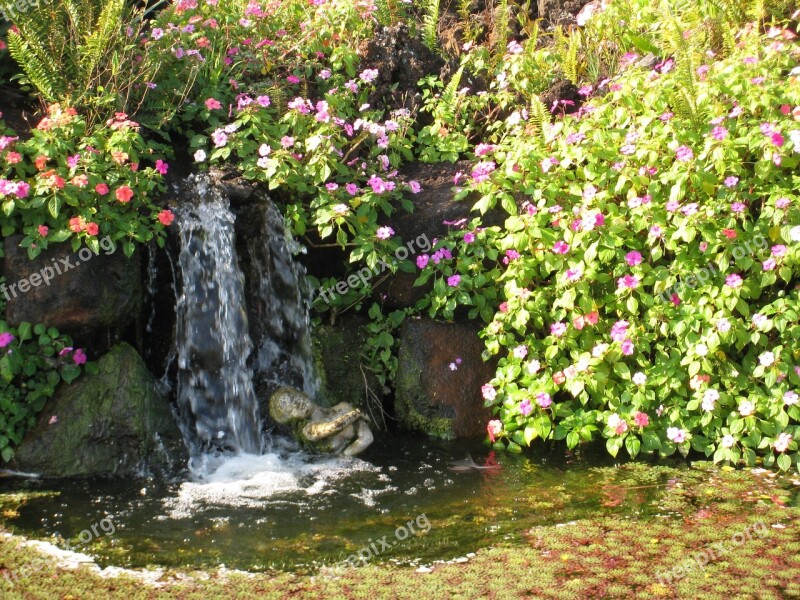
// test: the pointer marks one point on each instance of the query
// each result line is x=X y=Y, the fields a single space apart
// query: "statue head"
x=287 y=405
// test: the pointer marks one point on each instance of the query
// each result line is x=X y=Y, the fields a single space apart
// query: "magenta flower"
x=162 y=167
x=422 y=261
x=293 y=79
x=213 y=104
x=641 y=419
x=633 y=258
x=5 y=339
x=782 y=202
x=414 y=186
x=469 y=237
x=731 y=181
x=368 y=75
x=769 y=264
x=79 y=357
x=558 y=329
x=351 y=188
x=454 y=280
x=561 y=247
x=777 y=139
x=738 y=207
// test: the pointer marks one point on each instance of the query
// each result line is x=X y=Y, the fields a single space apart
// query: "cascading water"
x=215 y=390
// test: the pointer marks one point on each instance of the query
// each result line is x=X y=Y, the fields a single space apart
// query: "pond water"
x=400 y=501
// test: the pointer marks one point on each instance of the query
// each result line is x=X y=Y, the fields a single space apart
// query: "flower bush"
x=67 y=183
x=645 y=286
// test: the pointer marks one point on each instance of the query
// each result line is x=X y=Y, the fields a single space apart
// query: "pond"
x=402 y=501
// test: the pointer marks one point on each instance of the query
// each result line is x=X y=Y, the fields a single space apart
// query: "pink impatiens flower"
x=5 y=339
x=213 y=104
x=676 y=435
x=633 y=258
x=543 y=399
x=488 y=392
x=641 y=419
x=684 y=154
x=733 y=280
x=560 y=247
x=384 y=233
x=783 y=441
x=494 y=428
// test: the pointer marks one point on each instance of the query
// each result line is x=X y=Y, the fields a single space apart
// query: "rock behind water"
x=433 y=398
x=113 y=423
x=93 y=300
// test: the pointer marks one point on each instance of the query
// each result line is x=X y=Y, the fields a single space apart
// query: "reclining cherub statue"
x=341 y=429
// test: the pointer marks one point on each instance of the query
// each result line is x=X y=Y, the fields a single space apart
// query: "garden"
x=271 y=270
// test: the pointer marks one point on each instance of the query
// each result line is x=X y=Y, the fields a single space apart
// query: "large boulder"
x=93 y=298
x=439 y=379
x=116 y=422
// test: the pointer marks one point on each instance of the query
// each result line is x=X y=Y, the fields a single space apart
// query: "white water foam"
x=249 y=480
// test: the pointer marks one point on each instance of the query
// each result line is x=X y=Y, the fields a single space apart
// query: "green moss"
x=410 y=397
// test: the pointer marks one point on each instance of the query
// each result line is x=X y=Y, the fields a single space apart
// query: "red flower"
x=124 y=194
x=729 y=233
x=92 y=228
x=101 y=188
x=166 y=217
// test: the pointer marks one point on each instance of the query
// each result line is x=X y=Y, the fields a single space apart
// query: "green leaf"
x=632 y=445
x=784 y=462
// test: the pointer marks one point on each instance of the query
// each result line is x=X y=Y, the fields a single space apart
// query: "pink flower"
x=520 y=351
x=633 y=258
x=124 y=194
x=213 y=104
x=641 y=419
x=719 y=133
x=782 y=203
x=454 y=280
x=469 y=237
x=769 y=264
x=368 y=75
x=488 y=392
x=738 y=207
x=43 y=230
x=384 y=233
x=684 y=154
x=628 y=281
x=790 y=398
x=558 y=329
x=6 y=339
x=733 y=280
x=351 y=188
x=525 y=407
x=676 y=435
x=92 y=228
x=777 y=139
x=166 y=217
x=53 y=420
x=287 y=141
x=414 y=186
x=543 y=399
x=483 y=170
x=627 y=347
x=617 y=423
x=422 y=261
x=293 y=79
x=494 y=428
x=731 y=181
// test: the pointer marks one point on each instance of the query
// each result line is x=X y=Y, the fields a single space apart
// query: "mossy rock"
x=115 y=422
x=337 y=354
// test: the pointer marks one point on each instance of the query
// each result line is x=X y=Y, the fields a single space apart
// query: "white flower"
x=599 y=350
x=264 y=150
x=582 y=364
x=728 y=441
x=746 y=408
x=790 y=398
x=639 y=378
x=794 y=234
x=534 y=366
x=767 y=359
x=200 y=155
x=701 y=350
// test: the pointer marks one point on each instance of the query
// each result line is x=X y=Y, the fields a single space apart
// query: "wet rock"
x=432 y=397
x=113 y=423
x=92 y=297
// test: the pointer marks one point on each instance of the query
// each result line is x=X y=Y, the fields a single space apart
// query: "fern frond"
x=430 y=24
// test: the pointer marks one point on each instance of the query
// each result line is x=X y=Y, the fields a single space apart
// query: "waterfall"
x=242 y=330
x=215 y=388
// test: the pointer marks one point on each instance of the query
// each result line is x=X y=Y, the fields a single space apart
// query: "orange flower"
x=119 y=157
x=53 y=179
x=40 y=162
x=77 y=224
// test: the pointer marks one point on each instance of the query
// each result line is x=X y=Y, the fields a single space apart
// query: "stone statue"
x=341 y=429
